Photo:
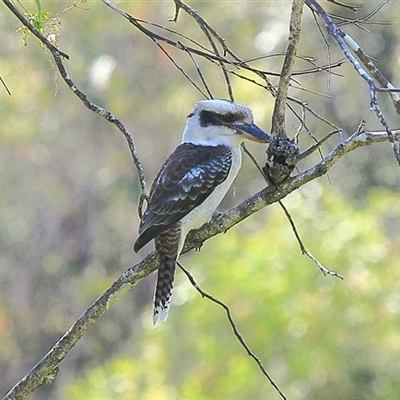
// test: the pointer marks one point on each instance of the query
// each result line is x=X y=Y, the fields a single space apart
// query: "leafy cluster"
x=43 y=21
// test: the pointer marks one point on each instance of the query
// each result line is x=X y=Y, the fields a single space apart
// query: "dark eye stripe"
x=212 y=118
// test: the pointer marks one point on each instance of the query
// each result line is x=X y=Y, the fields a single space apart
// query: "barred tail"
x=167 y=246
x=164 y=288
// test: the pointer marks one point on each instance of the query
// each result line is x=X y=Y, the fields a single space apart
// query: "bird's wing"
x=186 y=179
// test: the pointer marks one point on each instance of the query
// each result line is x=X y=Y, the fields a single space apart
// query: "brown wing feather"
x=186 y=179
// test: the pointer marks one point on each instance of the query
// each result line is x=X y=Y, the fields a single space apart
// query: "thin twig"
x=182 y=71
x=304 y=251
x=315 y=146
x=353 y=7
x=314 y=113
x=321 y=68
x=5 y=86
x=363 y=20
x=253 y=159
x=236 y=332
x=201 y=76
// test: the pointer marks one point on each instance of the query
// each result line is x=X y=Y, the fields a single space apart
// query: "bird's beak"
x=252 y=132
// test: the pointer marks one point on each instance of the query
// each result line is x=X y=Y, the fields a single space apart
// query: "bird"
x=191 y=184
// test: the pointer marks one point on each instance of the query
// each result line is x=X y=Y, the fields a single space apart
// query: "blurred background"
x=68 y=215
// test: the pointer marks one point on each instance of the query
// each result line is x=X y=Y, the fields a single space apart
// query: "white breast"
x=203 y=213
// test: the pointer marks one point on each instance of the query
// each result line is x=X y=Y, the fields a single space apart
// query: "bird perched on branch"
x=191 y=183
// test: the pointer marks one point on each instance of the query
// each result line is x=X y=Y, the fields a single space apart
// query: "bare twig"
x=75 y=4
x=380 y=78
x=5 y=86
x=314 y=113
x=320 y=68
x=363 y=20
x=252 y=158
x=353 y=7
x=134 y=21
x=236 y=332
x=316 y=146
x=304 y=251
x=201 y=76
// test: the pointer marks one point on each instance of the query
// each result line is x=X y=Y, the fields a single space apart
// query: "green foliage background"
x=68 y=219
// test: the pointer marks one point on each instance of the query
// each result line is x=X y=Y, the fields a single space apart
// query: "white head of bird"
x=221 y=122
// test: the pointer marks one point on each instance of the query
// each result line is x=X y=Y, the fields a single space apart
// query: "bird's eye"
x=229 y=118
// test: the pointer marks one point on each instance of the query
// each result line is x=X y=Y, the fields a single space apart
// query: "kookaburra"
x=191 y=183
